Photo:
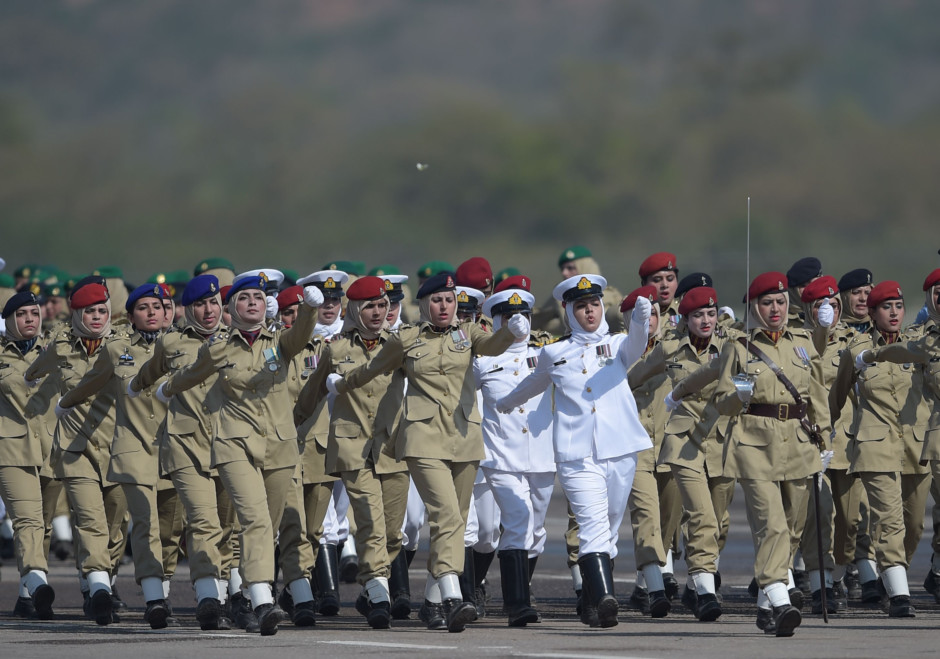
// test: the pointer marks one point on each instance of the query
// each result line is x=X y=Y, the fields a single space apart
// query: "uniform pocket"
x=346 y=430
x=419 y=409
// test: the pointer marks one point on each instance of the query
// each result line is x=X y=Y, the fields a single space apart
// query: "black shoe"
x=831 y=602
x=458 y=614
x=708 y=609
x=480 y=599
x=640 y=600
x=378 y=615
x=349 y=568
x=870 y=593
x=101 y=607
x=432 y=613
x=671 y=585
x=689 y=599
x=401 y=607
x=765 y=620
x=801 y=581
x=932 y=584
x=796 y=598
x=43 y=597
x=304 y=614
x=224 y=623
x=171 y=620
x=753 y=588
x=327 y=579
x=842 y=601
x=242 y=615
x=597 y=574
x=209 y=614
x=786 y=619
x=514 y=574
x=269 y=617
x=117 y=604
x=853 y=589
x=577 y=603
x=24 y=608
x=900 y=607
x=157 y=614
x=286 y=601
x=659 y=604
x=468 y=584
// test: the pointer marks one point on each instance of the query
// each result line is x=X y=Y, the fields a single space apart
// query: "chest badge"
x=272 y=357
x=460 y=339
x=603 y=355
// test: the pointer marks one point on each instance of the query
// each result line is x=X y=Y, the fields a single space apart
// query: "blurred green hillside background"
x=285 y=133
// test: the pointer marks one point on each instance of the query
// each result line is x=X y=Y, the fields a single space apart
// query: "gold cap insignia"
x=389 y=285
x=524 y=282
x=34 y=288
x=463 y=297
x=569 y=254
x=515 y=300
x=668 y=265
x=263 y=277
x=584 y=284
x=329 y=283
x=203 y=266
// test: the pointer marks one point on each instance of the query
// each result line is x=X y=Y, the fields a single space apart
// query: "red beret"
x=88 y=295
x=769 y=282
x=366 y=288
x=168 y=291
x=657 y=262
x=886 y=290
x=224 y=293
x=290 y=296
x=825 y=286
x=698 y=297
x=630 y=301
x=932 y=279
x=475 y=272
x=517 y=281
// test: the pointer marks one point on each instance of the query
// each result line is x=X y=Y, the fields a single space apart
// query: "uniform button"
x=369 y=395
x=371 y=416
x=294 y=378
x=517 y=373
x=440 y=352
x=151 y=416
x=516 y=359
x=584 y=370
x=253 y=391
x=593 y=410
x=450 y=413
x=589 y=390
x=525 y=430
x=205 y=408
x=264 y=433
x=442 y=371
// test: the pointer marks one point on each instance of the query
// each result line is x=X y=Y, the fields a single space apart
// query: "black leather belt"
x=782 y=412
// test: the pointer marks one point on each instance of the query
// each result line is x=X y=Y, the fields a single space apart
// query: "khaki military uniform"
x=81 y=454
x=439 y=436
x=361 y=425
x=693 y=448
x=771 y=457
x=255 y=449
x=185 y=455
x=26 y=418
x=887 y=442
x=134 y=453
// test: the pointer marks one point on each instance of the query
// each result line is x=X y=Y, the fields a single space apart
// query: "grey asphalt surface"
x=859 y=633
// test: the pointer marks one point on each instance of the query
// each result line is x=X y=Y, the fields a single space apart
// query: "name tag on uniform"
x=495 y=370
x=560 y=362
x=272 y=358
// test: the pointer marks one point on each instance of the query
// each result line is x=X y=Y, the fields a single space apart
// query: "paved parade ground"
x=859 y=633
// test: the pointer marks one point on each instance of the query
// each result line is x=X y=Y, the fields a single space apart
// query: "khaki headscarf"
x=237 y=321
x=190 y=318
x=353 y=318
x=80 y=329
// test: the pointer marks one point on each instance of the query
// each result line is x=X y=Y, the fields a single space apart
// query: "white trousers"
x=598 y=491
x=336 y=522
x=523 y=500
x=416 y=516
x=482 y=531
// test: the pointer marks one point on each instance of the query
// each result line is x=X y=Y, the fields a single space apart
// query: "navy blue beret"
x=144 y=290
x=22 y=299
x=442 y=281
x=856 y=279
x=804 y=270
x=199 y=288
x=244 y=283
x=693 y=280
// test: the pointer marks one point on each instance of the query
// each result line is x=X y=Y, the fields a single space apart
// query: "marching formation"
x=284 y=432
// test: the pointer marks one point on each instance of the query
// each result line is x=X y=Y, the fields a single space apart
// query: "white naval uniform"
x=596 y=428
x=520 y=463
x=483 y=520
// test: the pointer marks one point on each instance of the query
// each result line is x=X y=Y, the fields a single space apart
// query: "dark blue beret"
x=442 y=281
x=693 y=280
x=22 y=299
x=144 y=290
x=243 y=283
x=199 y=288
x=856 y=279
x=801 y=272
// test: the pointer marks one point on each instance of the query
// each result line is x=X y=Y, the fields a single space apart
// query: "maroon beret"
x=825 y=286
x=698 y=297
x=366 y=288
x=657 y=262
x=932 y=279
x=769 y=282
x=88 y=295
x=517 y=281
x=886 y=290
x=290 y=296
x=643 y=291
x=475 y=272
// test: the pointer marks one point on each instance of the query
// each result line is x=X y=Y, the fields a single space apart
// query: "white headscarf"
x=578 y=333
x=79 y=327
x=329 y=331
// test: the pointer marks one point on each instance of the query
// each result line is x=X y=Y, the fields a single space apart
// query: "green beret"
x=178 y=277
x=382 y=270
x=212 y=264
x=357 y=268
x=7 y=281
x=506 y=273
x=292 y=275
x=26 y=270
x=55 y=290
x=109 y=272
x=432 y=268
x=572 y=253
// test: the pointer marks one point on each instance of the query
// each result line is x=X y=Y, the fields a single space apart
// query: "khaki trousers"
x=317 y=498
x=145 y=531
x=445 y=487
x=886 y=511
x=98 y=515
x=572 y=544
x=259 y=496
x=170 y=514
x=378 y=503
x=914 y=491
x=53 y=501
x=776 y=512
x=705 y=501
x=209 y=522
x=296 y=558
x=21 y=491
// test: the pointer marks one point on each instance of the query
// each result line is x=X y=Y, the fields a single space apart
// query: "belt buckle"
x=783 y=412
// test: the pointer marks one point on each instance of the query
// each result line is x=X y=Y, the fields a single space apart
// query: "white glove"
x=826 y=457
x=726 y=310
x=671 y=403
x=61 y=411
x=860 y=363
x=519 y=326
x=130 y=392
x=332 y=381
x=31 y=383
x=270 y=304
x=313 y=296
x=642 y=311
x=826 y=314
x=161 y=394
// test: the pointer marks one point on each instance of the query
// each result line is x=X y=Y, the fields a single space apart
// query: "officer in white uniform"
x=597 y=431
